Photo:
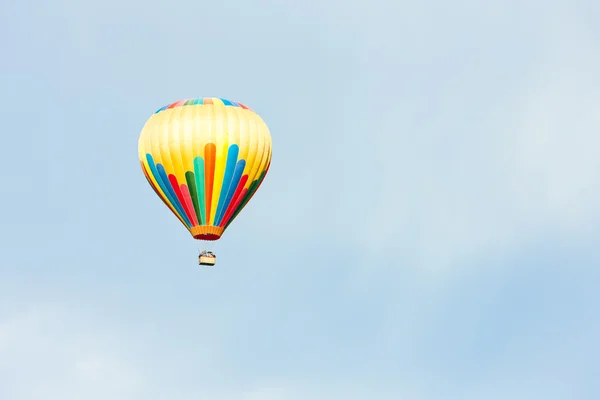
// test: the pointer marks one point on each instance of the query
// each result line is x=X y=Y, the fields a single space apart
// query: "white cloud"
x=555 y=162
x=555 y=367
x=476 y=177
x=52 y=352
x=46 y=353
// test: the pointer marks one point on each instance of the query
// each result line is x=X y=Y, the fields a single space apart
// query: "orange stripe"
x=210 y=151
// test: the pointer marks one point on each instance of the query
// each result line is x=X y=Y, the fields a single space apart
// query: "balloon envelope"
x=205 y=158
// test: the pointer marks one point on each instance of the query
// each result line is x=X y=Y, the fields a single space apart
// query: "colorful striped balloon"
x=205 y=158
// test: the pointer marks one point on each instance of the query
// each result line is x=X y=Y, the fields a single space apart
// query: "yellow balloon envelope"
x=205 y=158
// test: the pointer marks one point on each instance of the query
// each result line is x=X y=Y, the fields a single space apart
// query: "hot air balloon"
x=205 y=158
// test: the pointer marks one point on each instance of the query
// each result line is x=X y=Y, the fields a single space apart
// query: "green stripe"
x=189 y=177
x=201 y=196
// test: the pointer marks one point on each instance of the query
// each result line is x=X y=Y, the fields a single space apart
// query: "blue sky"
x=428 y=230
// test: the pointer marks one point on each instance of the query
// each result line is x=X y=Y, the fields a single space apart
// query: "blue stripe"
x=161 y=177
x=163 y=174
x=166 y=188
x=161 y=109
x=237 y=176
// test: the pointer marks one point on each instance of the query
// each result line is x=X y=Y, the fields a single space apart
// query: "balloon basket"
x=207 y=261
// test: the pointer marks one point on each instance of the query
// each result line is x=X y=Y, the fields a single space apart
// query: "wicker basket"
x=203 y=260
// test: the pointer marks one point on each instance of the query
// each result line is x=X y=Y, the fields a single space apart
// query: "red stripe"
x=233 y=208
x=175 y=186
x=244 y=107
x=188 y=200
x=239 y=200
x=234 y=199
x=253 y=194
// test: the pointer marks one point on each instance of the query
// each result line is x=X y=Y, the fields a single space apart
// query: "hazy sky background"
x=429 y=228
